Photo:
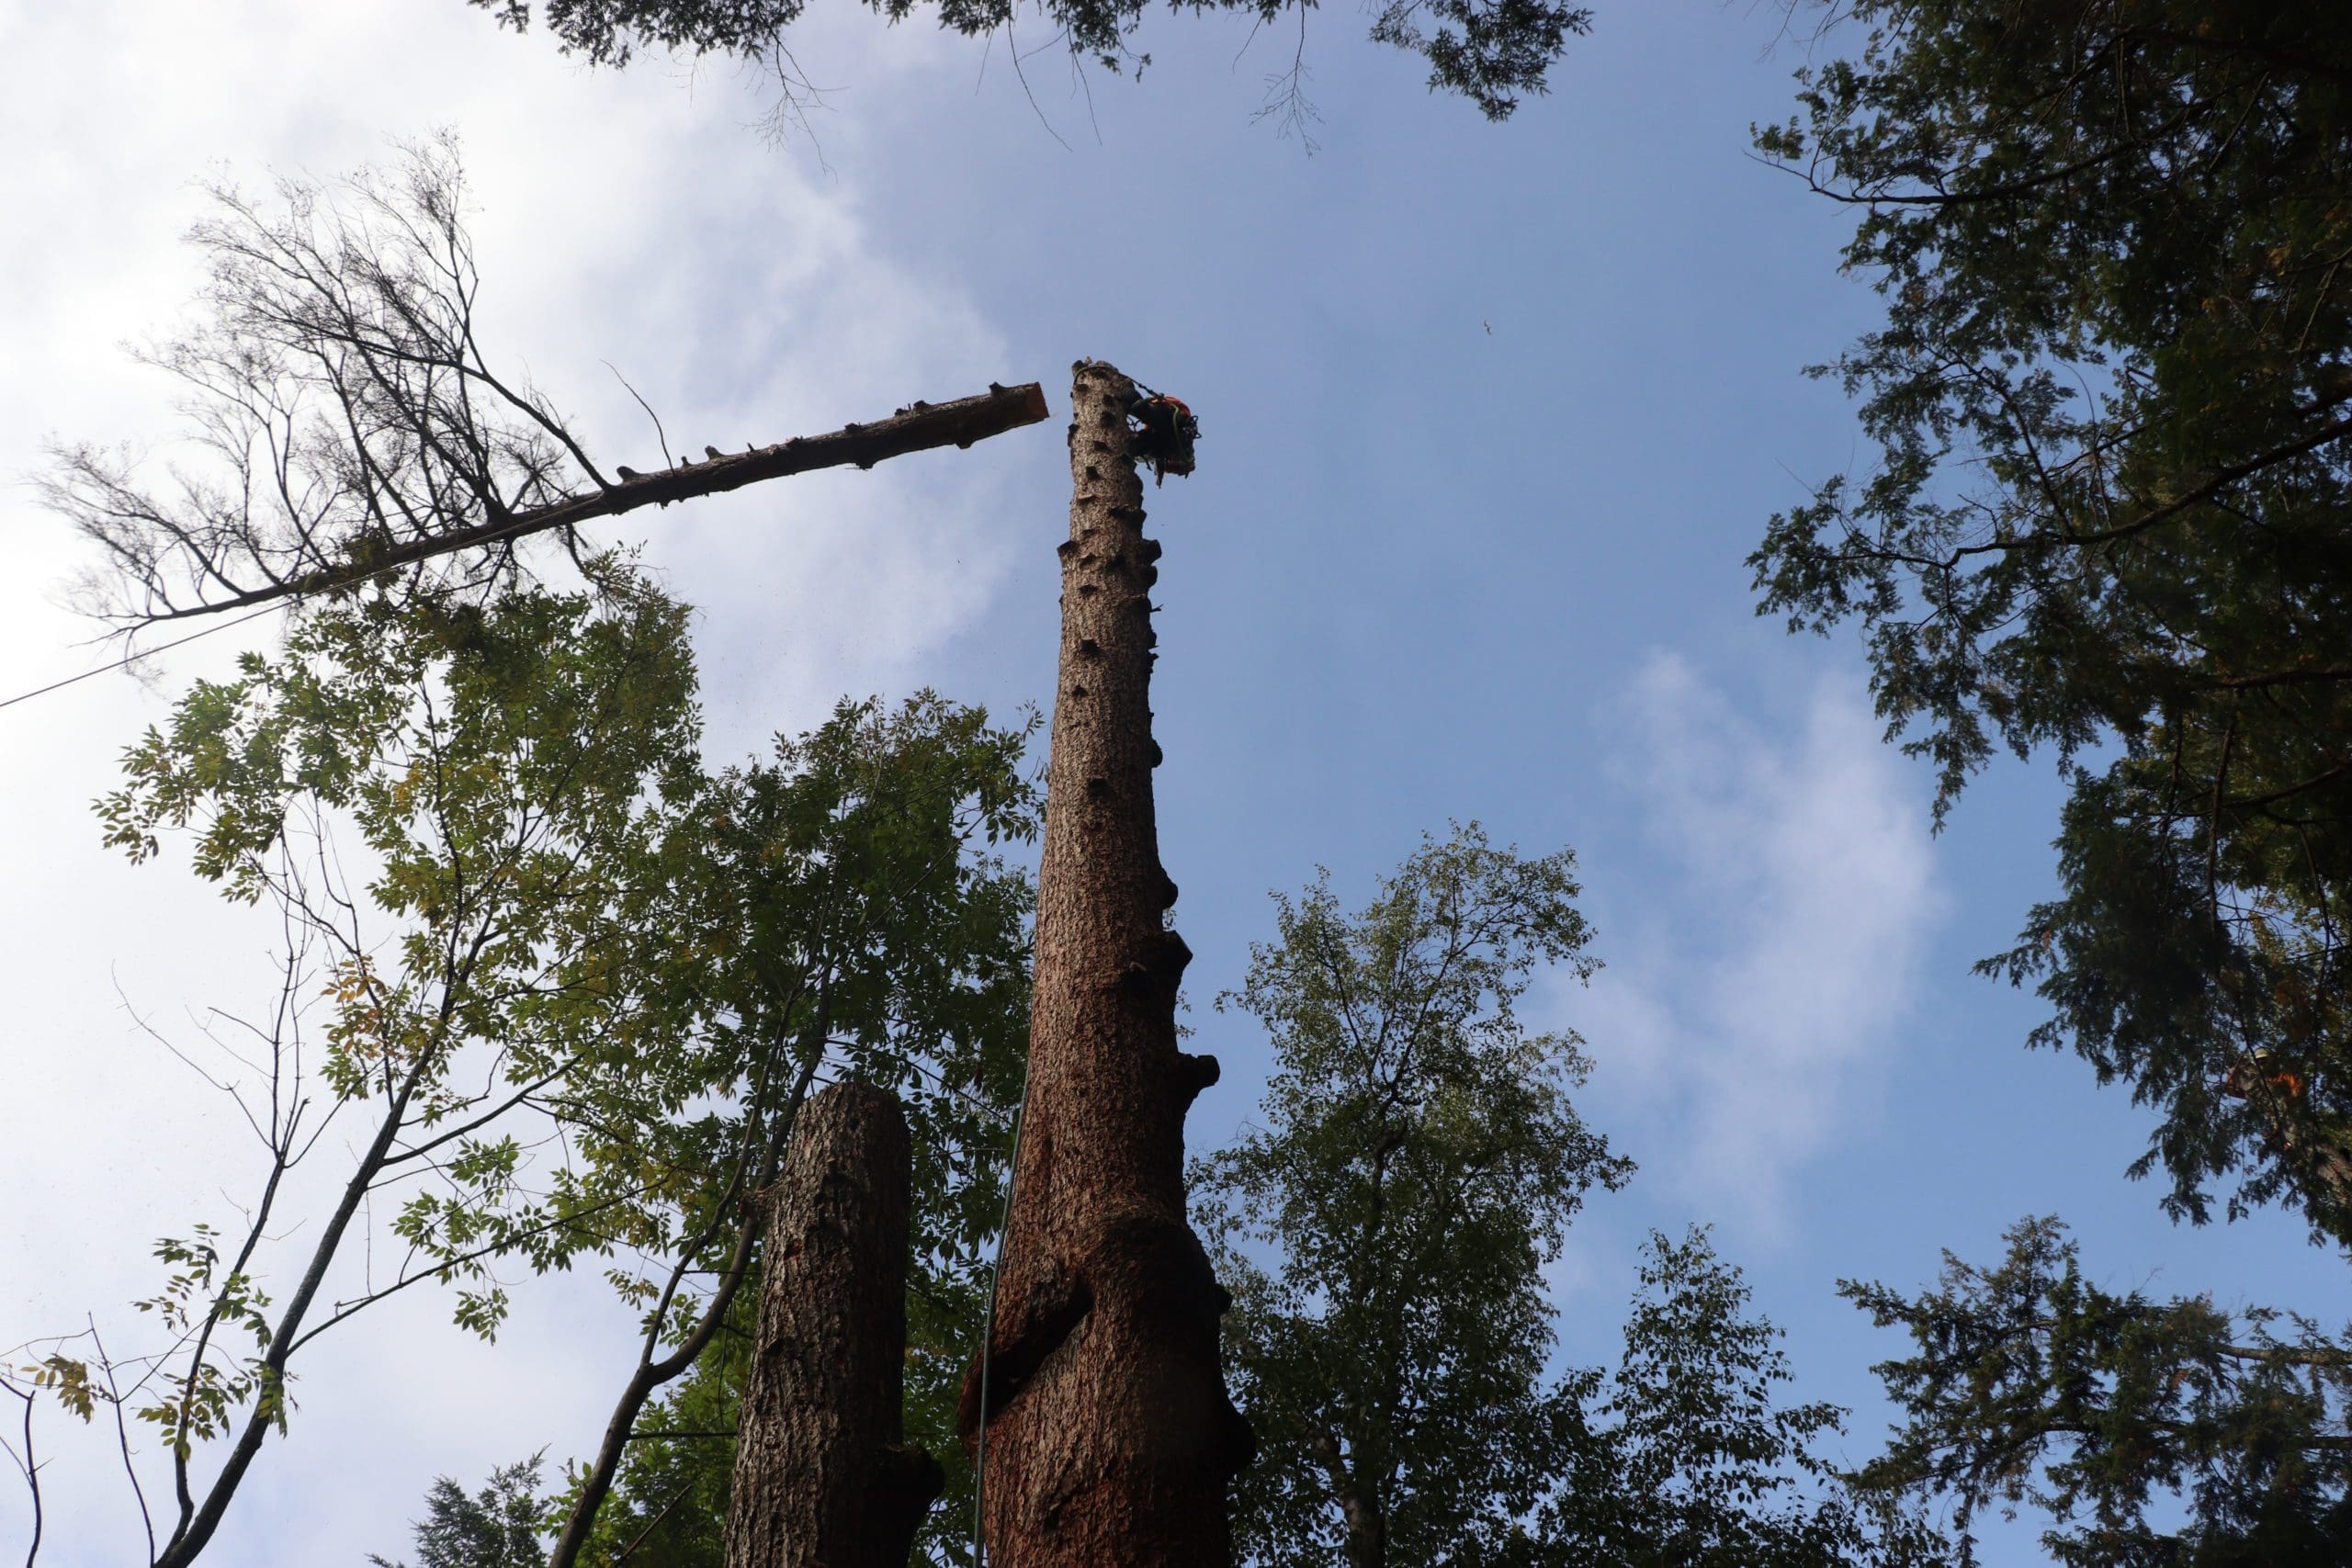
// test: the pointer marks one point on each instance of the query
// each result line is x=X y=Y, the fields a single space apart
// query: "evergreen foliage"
x=2111 y=518
x=2118 y=1414
x=497 y=1528
x=1490 y=51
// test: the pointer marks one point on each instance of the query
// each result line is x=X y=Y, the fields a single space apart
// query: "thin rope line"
x=988 y=1330
x=134 y=657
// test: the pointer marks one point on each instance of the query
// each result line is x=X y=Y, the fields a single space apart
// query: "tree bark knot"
x=1155 y=972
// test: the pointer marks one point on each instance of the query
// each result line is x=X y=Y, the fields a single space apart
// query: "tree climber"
x=1163 y=433
x=2261 y=1066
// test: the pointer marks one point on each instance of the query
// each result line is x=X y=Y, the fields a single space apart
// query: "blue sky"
x=1492 y=415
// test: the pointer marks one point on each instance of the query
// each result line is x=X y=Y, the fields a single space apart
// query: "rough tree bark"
x=822 y=1477
x=1110 y=1437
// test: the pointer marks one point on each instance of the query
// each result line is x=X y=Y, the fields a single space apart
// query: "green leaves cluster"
x=2111 y=515
x=2031 y=1384
x=671 y=1497
x=1419 y=1165
x=495 y=1528
x=196 y=1406
x=573 y=982
x=1385 y=1234
x=1490 y=51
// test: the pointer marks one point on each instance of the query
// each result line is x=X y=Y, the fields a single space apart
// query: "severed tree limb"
x=344 y=421
x=915 y=428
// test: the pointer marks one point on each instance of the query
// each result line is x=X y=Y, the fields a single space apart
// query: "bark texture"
x=822 y=1477
x=1110 y=1439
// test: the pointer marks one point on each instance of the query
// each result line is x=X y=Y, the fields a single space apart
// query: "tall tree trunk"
x=1366 y=1541
x=822 y=1479
x=1110 y=1439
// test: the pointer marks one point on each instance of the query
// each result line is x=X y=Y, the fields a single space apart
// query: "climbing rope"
x=988 y=1329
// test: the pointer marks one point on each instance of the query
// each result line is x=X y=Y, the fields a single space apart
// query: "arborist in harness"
x=1162 y=432
x=2260 y=1073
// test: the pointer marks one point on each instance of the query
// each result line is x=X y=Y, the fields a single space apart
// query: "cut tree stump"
x=822 y=1476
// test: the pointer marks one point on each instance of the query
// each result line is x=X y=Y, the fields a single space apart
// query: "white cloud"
x=623 y=219
x=1787 y=892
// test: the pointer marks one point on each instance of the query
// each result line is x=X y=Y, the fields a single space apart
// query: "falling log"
x=822 y=1476
x=914 y=428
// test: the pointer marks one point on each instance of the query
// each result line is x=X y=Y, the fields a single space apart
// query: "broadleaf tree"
x=1418 y=1164
x=439 y=813
x=572 y=993
x=1386 y=1232
x=848 y=903
x=573 y=981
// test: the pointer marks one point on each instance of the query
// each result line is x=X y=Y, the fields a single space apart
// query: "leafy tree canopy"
x=2117 y=1414
x=1419 y=1164
x=2112 y=401
x=563 y=983
x=573 y=984
x=1491 y=52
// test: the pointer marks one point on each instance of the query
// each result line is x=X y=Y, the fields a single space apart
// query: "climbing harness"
x=2261 y=1067
x=1162 y=432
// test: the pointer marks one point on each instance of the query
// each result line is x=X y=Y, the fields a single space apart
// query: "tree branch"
x=915 y=428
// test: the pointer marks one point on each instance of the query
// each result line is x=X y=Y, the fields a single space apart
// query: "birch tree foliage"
x=1418 y=1166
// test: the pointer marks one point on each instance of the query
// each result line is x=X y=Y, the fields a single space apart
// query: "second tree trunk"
x=821 y=1477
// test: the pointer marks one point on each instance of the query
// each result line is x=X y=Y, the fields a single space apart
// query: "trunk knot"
x=1155 y=972
x=1194 y=1074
